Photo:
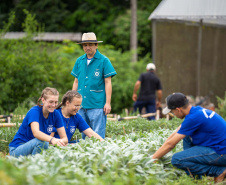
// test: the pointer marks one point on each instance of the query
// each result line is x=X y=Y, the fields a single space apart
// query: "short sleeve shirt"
x=149 y=84
x=91 y=84
x=46 y=125
x=71 y=124
x=206 y=128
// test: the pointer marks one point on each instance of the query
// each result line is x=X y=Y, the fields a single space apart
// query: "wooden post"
x=8 y=118
x=133 y=30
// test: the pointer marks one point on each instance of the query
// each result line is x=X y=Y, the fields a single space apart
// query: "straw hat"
x=89 y=37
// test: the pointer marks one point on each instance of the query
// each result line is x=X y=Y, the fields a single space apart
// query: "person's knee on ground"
x=40 y=146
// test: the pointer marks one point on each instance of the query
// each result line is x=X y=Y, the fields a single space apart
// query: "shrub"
x=221 y=106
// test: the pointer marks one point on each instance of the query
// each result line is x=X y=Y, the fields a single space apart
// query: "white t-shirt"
x=88 y=61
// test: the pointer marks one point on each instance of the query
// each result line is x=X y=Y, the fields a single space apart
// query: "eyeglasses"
x=78 y=107
x=52 y=102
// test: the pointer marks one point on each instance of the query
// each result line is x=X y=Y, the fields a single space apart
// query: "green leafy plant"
x=221 y=106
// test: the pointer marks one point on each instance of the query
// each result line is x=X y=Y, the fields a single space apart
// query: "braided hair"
x=68 y=96
x=46 y=92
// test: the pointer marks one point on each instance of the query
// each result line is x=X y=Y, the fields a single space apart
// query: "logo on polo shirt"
x=72 y=130
x=50 y=129
x=96 y=73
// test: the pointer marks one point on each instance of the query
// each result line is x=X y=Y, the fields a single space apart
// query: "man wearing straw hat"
x=93 y=72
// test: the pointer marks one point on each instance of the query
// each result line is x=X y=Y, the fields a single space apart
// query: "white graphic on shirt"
x=50 y=129
x=97 y=73
x=210 y=116
x=72 y=130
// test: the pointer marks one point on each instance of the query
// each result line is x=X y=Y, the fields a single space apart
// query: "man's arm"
x=136 y=87
x=169 y=144
x=89 y=132
x=159 y=98
x=75 y=84
x=108 y=91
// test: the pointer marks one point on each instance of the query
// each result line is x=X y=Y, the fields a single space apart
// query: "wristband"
x=50 y=142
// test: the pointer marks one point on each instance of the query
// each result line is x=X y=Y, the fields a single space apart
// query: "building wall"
x=176 y=58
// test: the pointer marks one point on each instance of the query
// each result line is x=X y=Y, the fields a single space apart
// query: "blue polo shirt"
x=71 y=124
x=91 y=83
x=46 y=125
x=206 y=128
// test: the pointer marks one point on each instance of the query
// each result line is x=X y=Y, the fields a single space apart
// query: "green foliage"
x=10 y=175
x=120 y=160
x=30 y=25
x=6 y=135
x=221 y=110
x=6 y=26
x=110 y=20
x=122 y=31
x=27 y=67
x=23 y=70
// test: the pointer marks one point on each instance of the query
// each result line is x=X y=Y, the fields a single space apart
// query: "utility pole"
x=133 y=30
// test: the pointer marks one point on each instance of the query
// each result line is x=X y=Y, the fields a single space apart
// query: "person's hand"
x=107 y=108
x=134 y=97
x=158 y=104
x=59 y=142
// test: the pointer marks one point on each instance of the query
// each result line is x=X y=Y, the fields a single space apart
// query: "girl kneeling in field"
x=71 y=103
x=34 y=133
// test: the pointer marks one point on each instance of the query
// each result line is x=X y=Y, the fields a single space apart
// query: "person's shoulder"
x=35 y=108
x=101 y=56
x=77 y=116
x=81 y=58
x=196 y=108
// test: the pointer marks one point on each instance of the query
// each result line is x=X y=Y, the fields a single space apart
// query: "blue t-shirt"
x=91 y=84
x=46 y=125
x=206 y=128
x=71 y=124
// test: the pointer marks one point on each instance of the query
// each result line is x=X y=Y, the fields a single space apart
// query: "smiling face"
x=73 y=107
x=90 y=49
x=49 y=103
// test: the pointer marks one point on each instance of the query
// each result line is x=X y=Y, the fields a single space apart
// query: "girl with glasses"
x=33 y=135
x=68 y=108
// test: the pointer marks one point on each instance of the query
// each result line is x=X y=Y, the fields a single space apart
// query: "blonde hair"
x=68 y=96
x=46 y=92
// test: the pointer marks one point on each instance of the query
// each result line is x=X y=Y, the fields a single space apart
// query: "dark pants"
x=150 y=106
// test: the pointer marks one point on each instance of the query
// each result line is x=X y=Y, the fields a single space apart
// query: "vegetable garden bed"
x=120 y=159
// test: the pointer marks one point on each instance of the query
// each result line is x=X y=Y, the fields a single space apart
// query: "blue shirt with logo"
x=46 y=125
x=91 y=84
x=71 y=124
x=206 y=128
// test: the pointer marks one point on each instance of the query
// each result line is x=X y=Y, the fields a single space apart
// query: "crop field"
x=123 y=158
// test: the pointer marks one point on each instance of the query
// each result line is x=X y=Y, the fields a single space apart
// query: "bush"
x=221 y=110
x=27 y=67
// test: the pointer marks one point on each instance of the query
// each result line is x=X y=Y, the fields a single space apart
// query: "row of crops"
x=123 y=158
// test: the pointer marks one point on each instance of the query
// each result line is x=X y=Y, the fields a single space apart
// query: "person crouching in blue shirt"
x=204 y=139
x=33 y=135
x=71 y=103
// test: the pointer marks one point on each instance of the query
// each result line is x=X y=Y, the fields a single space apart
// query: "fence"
x=112 y=117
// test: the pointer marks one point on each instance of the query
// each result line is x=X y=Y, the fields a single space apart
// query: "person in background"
x=68 y=108
x=204 y=139
x=93 y=72
x=33 y=135
x=149 y=84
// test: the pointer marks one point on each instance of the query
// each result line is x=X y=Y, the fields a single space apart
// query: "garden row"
x=123 y=158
